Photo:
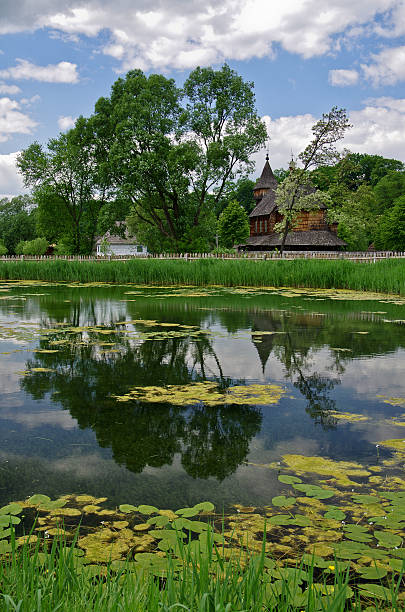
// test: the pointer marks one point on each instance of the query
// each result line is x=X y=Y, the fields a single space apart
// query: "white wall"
x=123 y=249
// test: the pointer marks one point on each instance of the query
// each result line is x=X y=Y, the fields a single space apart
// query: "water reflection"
x=308 y=345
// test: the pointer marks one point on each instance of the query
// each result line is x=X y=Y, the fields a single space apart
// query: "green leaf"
x=373 y=573
x=376 y=590
x=335 y=514
x=35 y=500
x=127 y=508
x=204 y=507
x=365 y=499
x=147 y=509
x=159 y=521
x=11 y=509
x=282 y=500
x=5 y=547
x=289 y=479
x=387 y=539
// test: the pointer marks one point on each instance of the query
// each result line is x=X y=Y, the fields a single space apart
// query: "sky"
x=57 y=57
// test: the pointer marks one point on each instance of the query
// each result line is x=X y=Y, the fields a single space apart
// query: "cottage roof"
x=313 y=238
x=115 y=239
x=267 y=179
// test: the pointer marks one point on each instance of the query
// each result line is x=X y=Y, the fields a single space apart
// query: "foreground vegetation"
x=32 y=579
x=385 y=276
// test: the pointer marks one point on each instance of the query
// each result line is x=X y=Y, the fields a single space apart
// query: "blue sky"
x=57 y=57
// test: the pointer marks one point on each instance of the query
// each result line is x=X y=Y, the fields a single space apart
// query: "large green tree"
x=67 y=184
x=171 y=152
x=17 y=221
x=356 y=218
x=391 y=230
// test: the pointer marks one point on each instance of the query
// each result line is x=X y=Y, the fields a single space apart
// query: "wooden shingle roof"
x=267 y=179
x=310 y=238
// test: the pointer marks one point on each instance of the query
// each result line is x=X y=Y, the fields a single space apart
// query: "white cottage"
x=111 y=244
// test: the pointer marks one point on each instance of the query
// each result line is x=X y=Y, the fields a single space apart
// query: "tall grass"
x=51 y=581
x=384 y=276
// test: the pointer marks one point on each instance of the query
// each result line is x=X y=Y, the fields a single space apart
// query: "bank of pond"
x=383 y=276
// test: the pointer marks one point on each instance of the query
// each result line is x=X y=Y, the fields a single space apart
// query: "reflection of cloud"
x=84 y=466
x=376 y=375
x=53 y=418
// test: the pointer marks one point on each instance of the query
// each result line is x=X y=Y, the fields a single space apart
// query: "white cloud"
x=387 y=67
x=29 y=101
x=184 y=33
x=9 y=90
x=378 y=129
x=11 y=182
x=65 y=123
x=342 y=78
x=64 y=72
x=12 y=120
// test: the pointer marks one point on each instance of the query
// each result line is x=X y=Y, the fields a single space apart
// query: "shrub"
x=3 y=248
x=38 y=246
x=19 y=248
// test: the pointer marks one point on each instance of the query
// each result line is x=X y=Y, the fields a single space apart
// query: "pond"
x=172 y=396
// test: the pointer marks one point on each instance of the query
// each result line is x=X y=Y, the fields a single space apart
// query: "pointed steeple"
x=267 y=179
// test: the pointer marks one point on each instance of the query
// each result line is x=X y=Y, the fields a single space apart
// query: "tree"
x=233 y=225
x=296 y=192
x=388 y=189
x=356 y=218
x=3 y=248
x=241 y=191
x=171 y=151
x=17 y=220
x=355 y=169
x=67 y=184
x=391 y=231
x=38 y=246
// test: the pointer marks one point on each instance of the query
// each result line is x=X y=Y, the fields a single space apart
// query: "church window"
x=261 y=225
x=256 y=226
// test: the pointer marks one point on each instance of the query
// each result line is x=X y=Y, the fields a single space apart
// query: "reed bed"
x=384 y=276
x=54 y=580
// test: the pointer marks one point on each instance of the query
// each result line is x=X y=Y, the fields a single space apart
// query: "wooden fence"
x=363 y=256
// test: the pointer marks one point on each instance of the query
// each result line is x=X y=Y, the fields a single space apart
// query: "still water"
x=67 y=351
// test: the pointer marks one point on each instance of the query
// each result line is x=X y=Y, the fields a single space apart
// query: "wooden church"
x=312 y=232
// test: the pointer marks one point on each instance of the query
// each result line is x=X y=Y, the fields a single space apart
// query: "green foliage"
x=68 y=185
x=391 y=230
x=356 y=169
x=38 y=246
x=356 y=218
x=166 y=156
x=3 y=248
x=19 y=248
x=384 y=276
x=241 y=191
x=17 y=221
x=64 y=248
x=388 y=189
x=233 y=225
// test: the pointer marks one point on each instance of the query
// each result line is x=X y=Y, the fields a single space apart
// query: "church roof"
x=266 y=205
x=312 y=238
x=267 y=179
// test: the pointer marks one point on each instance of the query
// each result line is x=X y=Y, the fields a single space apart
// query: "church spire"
x=267 y=179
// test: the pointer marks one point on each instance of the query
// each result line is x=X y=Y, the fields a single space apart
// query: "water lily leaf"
x=397 y=565
x=365 y=499
x=336 y=514
x=127 y=508
x=5 y=533
x=11 y=509
x=9 y=519
x=205 y=507
x=188 y=512
x=5 y=547
x=289 y=479
x=314 y=491
x=282 y=500
x=280 y=519
x=159 y=521
x=373 y=573
x=35 y=500
x=388 y=540
x=376 y=590
x=143 y=509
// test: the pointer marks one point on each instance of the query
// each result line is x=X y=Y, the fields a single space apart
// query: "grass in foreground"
x=384 y=276
x=50 y=578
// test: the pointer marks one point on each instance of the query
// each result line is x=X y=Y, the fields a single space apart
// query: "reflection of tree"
x=212 y=441
x=293 y=348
